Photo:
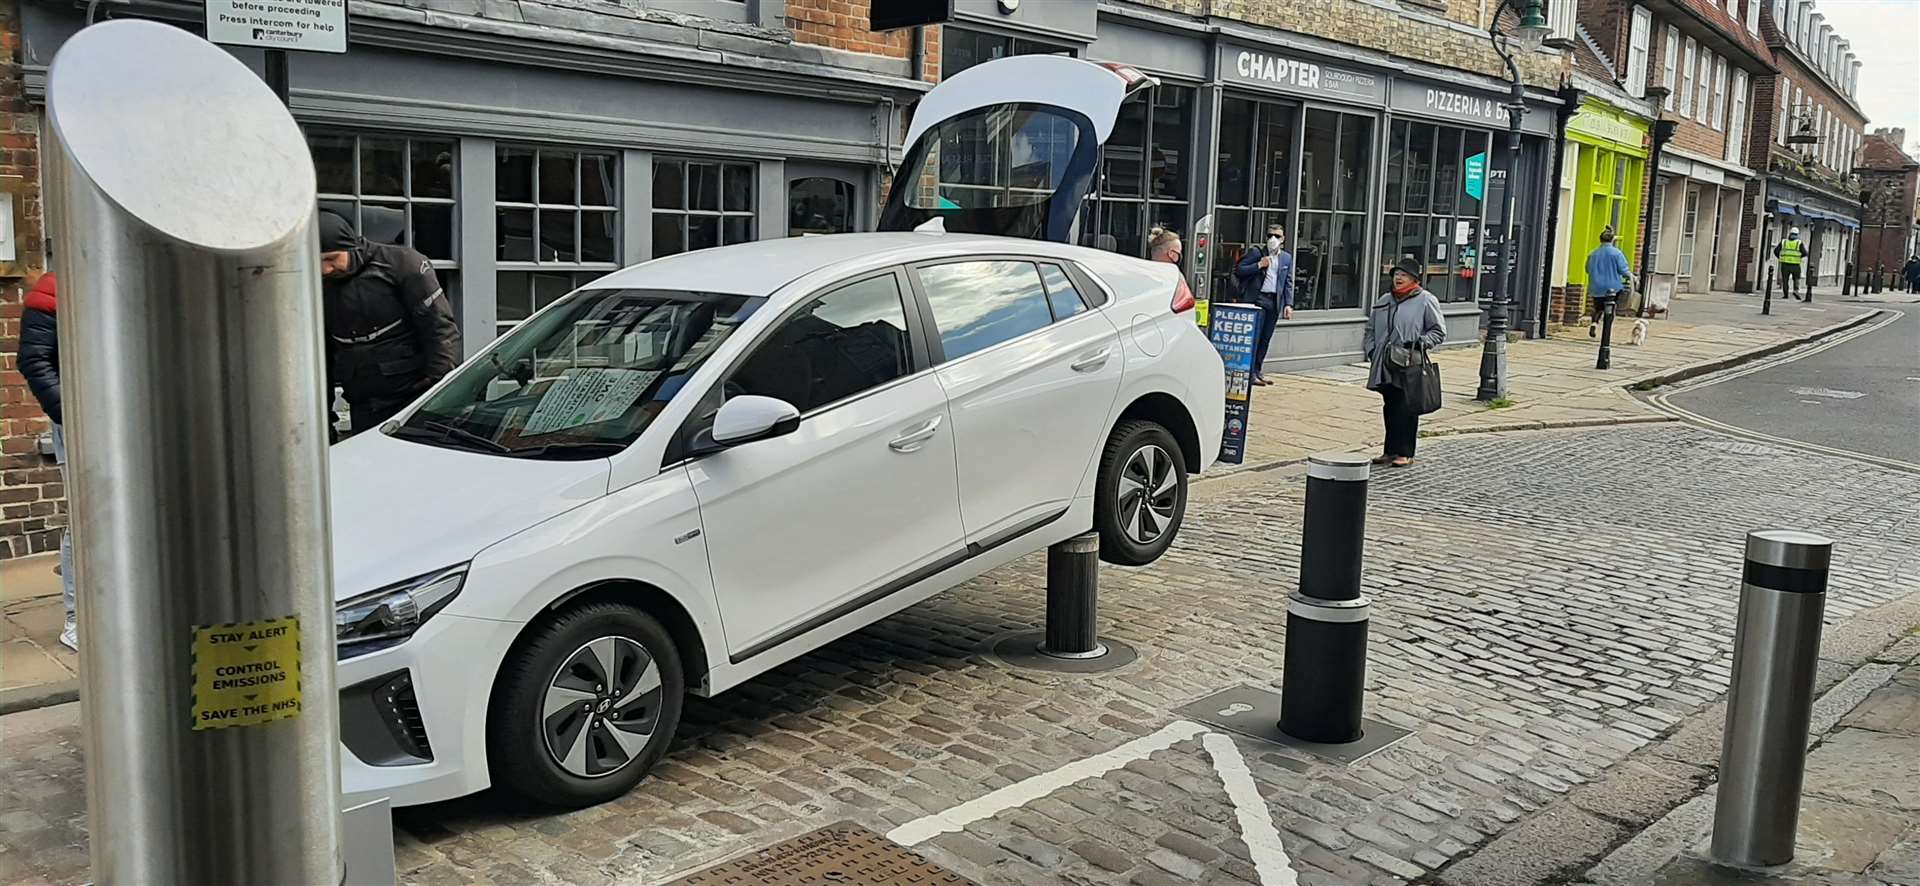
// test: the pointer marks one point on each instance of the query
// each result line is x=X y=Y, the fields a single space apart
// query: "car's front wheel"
x=1142 y=496
x=585 y=705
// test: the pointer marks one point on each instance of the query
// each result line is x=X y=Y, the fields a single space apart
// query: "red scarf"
x=1403 y=290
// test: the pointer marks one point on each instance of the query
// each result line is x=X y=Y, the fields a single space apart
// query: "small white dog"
x=1640 y=331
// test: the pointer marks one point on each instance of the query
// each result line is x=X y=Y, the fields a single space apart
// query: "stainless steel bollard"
x=183 y=202
x=1776 y=647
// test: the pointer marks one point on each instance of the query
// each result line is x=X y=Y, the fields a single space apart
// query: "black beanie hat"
x=335 y=232
x=1406 y=265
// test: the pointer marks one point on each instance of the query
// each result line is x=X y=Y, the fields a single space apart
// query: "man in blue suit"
x=1266 y=280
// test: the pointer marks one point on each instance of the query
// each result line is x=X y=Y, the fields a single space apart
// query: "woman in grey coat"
x=1406 y=315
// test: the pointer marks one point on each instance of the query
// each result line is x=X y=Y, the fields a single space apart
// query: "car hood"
x=402 y=509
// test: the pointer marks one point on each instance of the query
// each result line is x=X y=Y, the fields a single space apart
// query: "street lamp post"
x=1859 y=240
x=1528 y=34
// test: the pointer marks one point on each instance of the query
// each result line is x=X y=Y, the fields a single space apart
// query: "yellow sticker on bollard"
x=246 y=673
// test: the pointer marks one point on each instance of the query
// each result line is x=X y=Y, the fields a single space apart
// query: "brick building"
x=1890 y=220
x=1706 y=56
x=32 y=505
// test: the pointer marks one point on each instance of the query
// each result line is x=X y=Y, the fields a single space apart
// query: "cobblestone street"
x=1546 y=604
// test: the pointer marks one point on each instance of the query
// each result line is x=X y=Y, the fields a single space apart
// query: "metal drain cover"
x=843 y=854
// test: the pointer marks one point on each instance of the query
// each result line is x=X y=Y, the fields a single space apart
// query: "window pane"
x=1275 y=156
x=1229 y=241
x=599 y=234
x=383 y=223
x=1354 y=169
x=1419 y=167
x=739 y=188
x=1447 y=179
x=1124 y=148
x=1172 y=133
x=547 y=288
x=850 y=340
x=979 y=304
x=333 y=163
x=383 y=163
x=346 y=209
x=1389 y=243
x=703 y=231
x=596 y=180
x=1310 y=246
x=999 y=156
x=432 y=169
x=513 y=176
x=1396 y=167
x=1236 y=139
x=669 y=237
x=433 y=230
x=556 y=178
x=1344 y=254
x=513 y=299
x=737 y=229
x=1440 y=258
x=1120 y=229
x=820 y=206
x=1317 y=151
x=514 y=230
x=669 y=184
x=557 y=241
x=1061 y=294
x=703 y=185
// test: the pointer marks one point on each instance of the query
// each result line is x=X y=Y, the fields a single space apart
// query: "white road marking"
x=1023 y=792
x=1256 y=819
x=1829 y=393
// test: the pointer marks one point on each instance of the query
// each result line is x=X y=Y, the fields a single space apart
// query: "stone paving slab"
x=1532 y=640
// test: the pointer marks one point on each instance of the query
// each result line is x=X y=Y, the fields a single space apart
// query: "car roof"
x=762 y=267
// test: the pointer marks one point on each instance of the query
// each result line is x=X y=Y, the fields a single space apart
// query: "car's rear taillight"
x=1182 y=297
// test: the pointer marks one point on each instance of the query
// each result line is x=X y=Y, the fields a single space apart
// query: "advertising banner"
x=1235 y=328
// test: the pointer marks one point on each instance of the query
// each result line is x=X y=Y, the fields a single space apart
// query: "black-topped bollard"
x=1326 y=660
x=1605 y=306
x=1073 y=598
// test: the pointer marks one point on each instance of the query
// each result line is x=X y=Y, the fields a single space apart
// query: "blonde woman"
x=1164 y=245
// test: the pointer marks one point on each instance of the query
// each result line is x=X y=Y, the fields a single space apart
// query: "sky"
x=1886 y=36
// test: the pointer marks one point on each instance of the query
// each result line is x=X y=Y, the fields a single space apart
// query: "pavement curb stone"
x=27 y=698
x=1670 y=781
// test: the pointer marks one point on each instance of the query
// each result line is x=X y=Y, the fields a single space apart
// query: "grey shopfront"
x=524 y=160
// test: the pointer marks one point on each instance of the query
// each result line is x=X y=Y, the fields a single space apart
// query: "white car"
x=703 y=466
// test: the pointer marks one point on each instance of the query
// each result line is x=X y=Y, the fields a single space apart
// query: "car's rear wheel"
x=585 y=706
x=1142 y=496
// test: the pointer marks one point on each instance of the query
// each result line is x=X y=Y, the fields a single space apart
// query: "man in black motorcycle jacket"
x=390 y=330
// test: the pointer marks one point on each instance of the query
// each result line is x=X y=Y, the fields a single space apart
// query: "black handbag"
x=1420 y=380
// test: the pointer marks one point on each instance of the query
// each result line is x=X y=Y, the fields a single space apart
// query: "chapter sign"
x=1234 y=332
x=304 y=25
x=246 y=673
x=1298 y=75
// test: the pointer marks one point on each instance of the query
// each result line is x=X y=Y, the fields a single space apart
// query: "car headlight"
x=387 y=617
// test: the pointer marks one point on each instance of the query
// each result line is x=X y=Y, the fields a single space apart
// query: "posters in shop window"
x=1235 y=331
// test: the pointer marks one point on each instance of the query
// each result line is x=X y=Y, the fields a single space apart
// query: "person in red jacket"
x=39 y=361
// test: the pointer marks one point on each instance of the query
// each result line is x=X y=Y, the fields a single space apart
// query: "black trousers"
x=1403 y=424
x=1790 y=280
x=1269 y=318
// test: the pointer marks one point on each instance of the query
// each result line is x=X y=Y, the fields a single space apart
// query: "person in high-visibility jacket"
x=1791 y=253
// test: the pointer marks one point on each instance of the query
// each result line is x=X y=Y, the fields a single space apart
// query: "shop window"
x=1330 y=243
x=394 y=189
x=1254 y=181
x=821 y=205
x=1145 y=167
x=556 y=225
x=1435 y=215
x=1689 y=230
x=699 y=204
x=961 y=49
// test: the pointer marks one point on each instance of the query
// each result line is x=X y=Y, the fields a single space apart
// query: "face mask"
x=1273 y=245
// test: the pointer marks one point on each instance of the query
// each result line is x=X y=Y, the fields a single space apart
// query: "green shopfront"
x=1603 y=181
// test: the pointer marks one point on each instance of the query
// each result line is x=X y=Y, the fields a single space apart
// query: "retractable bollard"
x=1776 y=648
x=1073 y=597
x=182 y=195
x=1326 y=660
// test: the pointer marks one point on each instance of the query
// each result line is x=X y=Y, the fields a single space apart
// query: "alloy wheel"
x=601 y=707
x=1149 y=491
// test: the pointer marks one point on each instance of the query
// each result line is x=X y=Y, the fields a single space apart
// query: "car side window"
x=979 y=304
x=840 y=344
x=1061 y=294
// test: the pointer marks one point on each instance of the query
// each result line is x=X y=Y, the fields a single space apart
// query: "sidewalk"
x=1551 y=382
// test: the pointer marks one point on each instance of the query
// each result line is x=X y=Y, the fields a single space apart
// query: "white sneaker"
x=70 y=637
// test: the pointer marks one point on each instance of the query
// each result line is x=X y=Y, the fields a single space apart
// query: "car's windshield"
x=1017 y=170
x=582 y=379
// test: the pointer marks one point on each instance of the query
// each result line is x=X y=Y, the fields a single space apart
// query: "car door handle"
x=920 y=433
x=1092 y=361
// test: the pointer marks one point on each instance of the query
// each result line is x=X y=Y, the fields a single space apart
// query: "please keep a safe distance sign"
x=246 y=673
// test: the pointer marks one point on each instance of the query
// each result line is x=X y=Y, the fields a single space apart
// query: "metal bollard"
x=1326 y=660
x=190 y=319
x=1776 y=647
x=1605 y=359
x=1073 y=597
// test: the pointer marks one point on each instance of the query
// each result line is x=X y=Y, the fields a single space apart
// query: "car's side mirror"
x=747 y=418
